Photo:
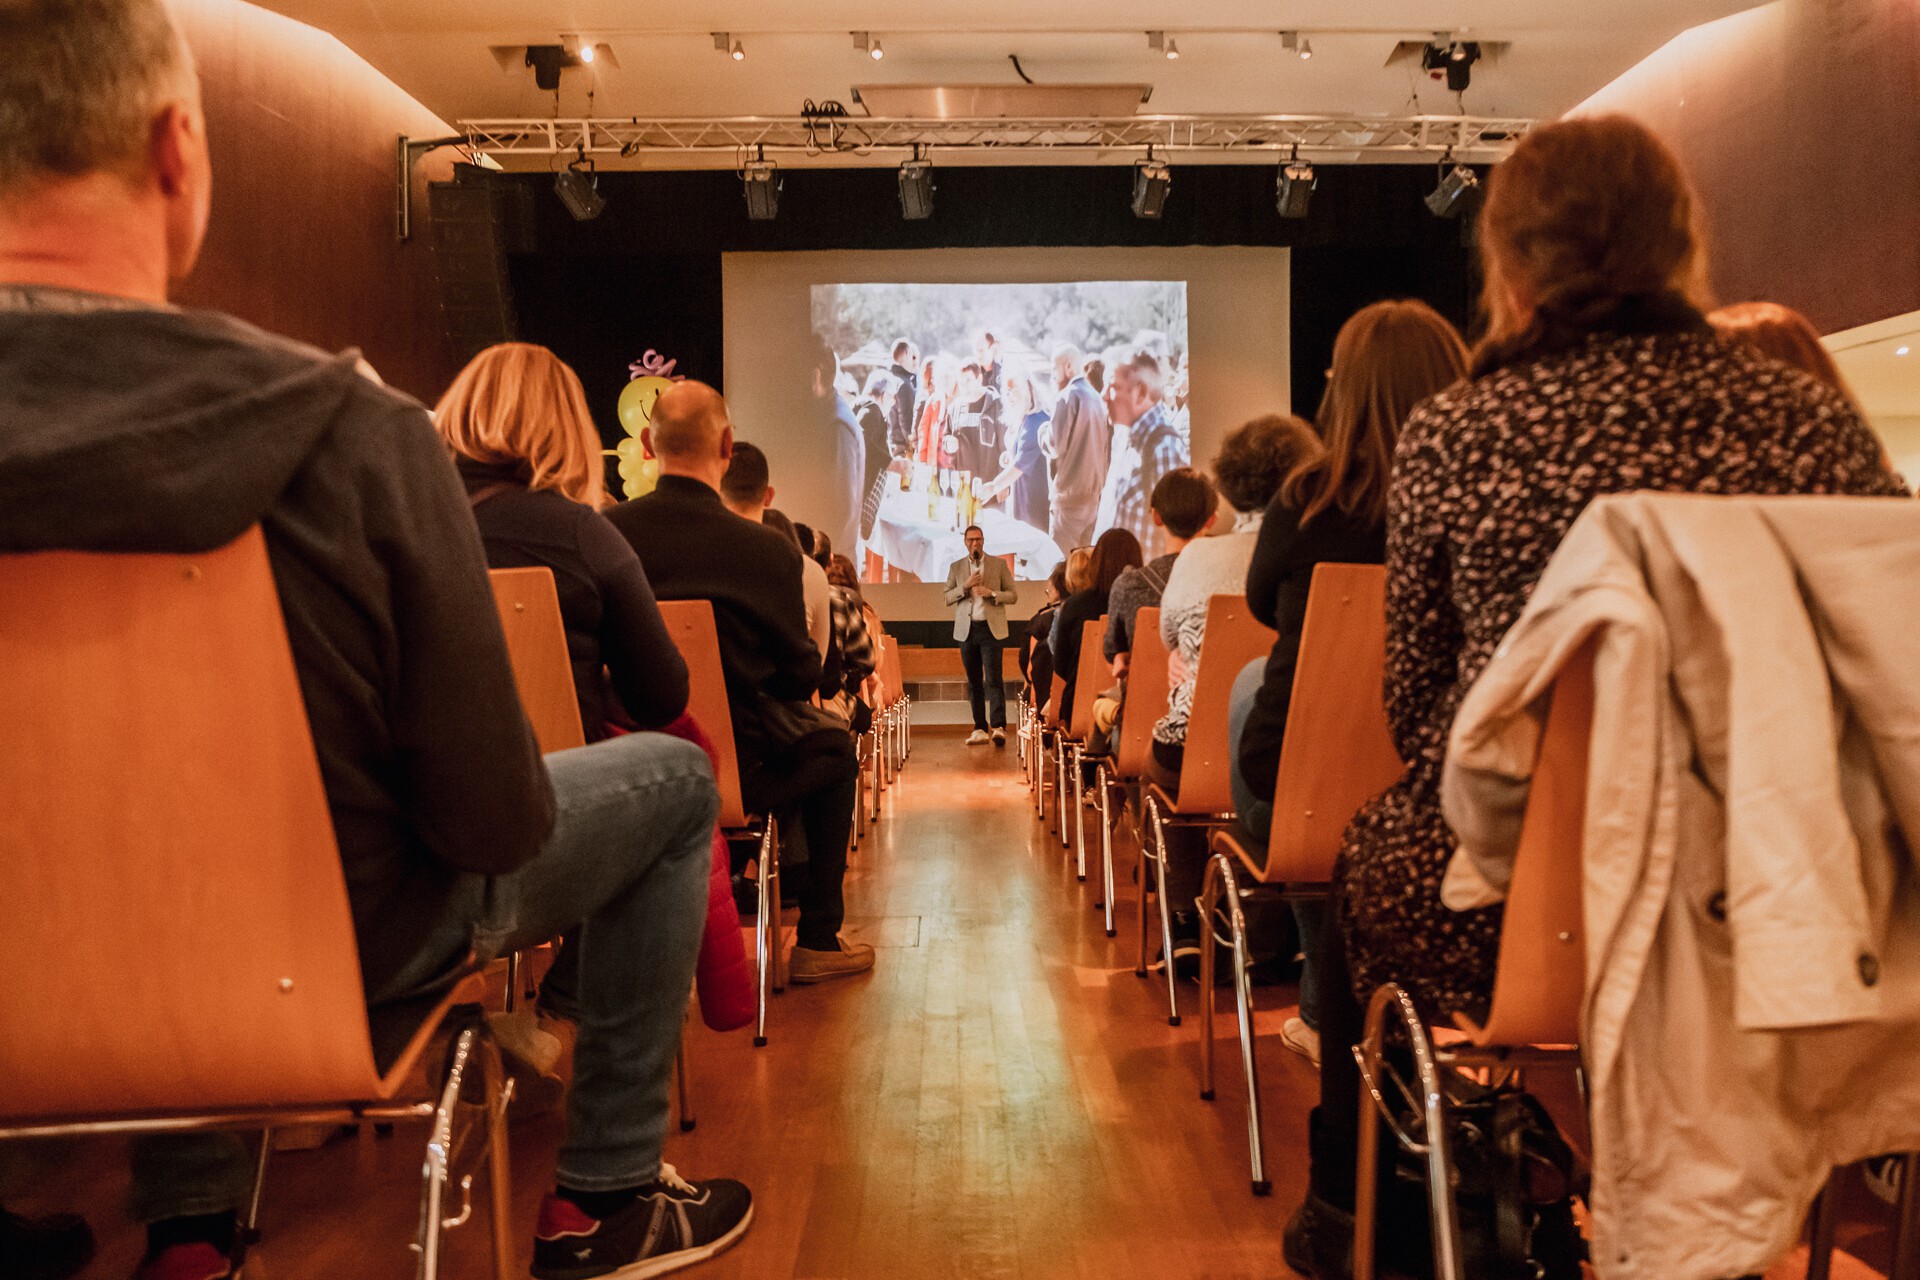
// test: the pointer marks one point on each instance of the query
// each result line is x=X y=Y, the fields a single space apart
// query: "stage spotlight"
x=1152 y=179
x=1160 y=42
x=1454 y=59
x=739 y=52
x=916 y=189
x=578 y=187
x=725 y=43
x=1455 y=193
x=869 y=44
x=760 y=180
x=548 y=61
x=1293 y=190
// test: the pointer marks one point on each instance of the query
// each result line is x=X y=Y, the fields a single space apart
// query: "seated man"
x=792 y=755
x=746 y=491
x=453 y=836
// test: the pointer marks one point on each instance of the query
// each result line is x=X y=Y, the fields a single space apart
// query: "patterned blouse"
x=1488 y=476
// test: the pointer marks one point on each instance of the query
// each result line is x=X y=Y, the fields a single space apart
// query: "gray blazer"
x=998 y=579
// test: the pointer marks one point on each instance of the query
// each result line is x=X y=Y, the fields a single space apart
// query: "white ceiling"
x=1881 y=363
x=1231 y=62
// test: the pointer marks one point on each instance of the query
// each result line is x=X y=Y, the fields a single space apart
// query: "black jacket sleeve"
x=790 y=647
x=477 y=791
x=646 y=667
x=1272 y=561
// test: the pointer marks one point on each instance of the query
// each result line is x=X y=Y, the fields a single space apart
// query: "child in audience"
x=1598 y=374
x=1332 y=507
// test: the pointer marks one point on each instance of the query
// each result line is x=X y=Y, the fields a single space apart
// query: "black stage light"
x=548 y=61
x=761 y=181
x=1293 y=190
x=1152 y=179
x=1459 y=186
x=916 y=189
x=578 y=187
x=1455 y=58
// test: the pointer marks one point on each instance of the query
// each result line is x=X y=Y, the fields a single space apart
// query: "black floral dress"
x=1488 y=476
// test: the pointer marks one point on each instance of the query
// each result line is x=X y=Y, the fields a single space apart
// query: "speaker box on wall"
x=477 y=221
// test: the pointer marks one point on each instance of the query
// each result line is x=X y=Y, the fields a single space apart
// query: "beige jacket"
x=1752 y=1012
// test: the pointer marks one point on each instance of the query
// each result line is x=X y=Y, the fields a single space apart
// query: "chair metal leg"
x=1060 y=750
x=513 y=981
x=438 y=1167
x=1159 y=823
x=765 y=927
x=1826 y=1219
x=249 y=1232
x=1220 y=882
x=683 y=1085
x=1080 y=811
x=499 y=1092
x=1390 y=999
x=1906 y=1236
x=1106 y=849
x=779 y=950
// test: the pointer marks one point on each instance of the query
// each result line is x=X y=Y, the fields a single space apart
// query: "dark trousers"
x=817 y=776
x=980 y=654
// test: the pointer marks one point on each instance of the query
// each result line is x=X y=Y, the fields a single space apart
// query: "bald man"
x=791 y=760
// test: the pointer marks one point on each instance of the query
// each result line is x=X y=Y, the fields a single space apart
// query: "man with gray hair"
x=453 y=836
x=1147 y=446
x=1077 y=438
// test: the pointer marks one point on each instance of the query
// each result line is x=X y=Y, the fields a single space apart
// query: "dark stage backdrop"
x=646 y=273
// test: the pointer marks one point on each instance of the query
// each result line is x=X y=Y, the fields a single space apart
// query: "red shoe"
x=196 y=1261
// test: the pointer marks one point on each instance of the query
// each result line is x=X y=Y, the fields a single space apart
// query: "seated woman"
x=1036 y=660
x=1780 y=333
x=1598 y=374
x=1074 y=573
x=1115 y=552
x=1248 y=471
x=1331 y=508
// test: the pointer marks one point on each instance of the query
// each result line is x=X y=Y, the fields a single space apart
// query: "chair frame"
x=1077 y=728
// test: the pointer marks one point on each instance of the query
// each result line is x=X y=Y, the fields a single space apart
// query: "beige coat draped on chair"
x=1752 y=909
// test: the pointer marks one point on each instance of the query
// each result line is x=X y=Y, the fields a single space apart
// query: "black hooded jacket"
x=148 y=429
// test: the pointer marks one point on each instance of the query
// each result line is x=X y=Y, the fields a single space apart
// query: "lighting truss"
x=1476 y=138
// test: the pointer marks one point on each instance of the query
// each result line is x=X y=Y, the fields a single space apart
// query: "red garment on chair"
x=723 y=978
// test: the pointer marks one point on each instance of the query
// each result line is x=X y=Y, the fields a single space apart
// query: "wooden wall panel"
x=1800 y=123
x=302 y=239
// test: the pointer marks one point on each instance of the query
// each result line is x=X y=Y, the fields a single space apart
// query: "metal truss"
x=1467 y=137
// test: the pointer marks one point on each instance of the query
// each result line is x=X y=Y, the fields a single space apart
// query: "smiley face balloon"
x=636 y=402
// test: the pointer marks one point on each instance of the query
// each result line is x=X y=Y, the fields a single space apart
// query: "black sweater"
x=695 y=549
x=1277 y=584
x=1076 y=611
x=175 y=431
x=606 y=604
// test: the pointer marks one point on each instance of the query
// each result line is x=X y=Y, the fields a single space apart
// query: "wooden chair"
x=1121 y=771
x=1090 y=677
x=1233 y=639
x=1335 y=756
x=690 y=623
x=184 y=956
x=1539 y=978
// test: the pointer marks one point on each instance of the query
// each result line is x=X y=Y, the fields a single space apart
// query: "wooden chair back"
x=690 y=623
x=1540 y=982
x=1089 y=678
x=1233 y=639
x=890 y=671
x=178 y=932
x=1337 y=753
x=1146 y=695
x=537 y=646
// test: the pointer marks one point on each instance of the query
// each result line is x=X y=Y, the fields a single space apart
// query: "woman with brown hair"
x=1598 y=374
x=1332 y=507
x=1779 y=333
x=1114 y=552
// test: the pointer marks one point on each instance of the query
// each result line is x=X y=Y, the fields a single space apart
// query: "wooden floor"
x=1001 y=1097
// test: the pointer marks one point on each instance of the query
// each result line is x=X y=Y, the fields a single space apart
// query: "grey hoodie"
x=148 y=429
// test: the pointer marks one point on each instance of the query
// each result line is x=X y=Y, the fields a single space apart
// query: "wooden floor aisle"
x=1001 y=1097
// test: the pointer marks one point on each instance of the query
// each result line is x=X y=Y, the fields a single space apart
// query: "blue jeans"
x=1256 y=816
x=627 y=863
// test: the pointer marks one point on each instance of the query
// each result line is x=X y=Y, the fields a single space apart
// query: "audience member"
x=747 y=491
x=1783 y=334
x=1184 y=504
x=853 y=638
x=1036 y=661
x=792 y=756
x=1076 y=437
x=1115 y=553
x=1598 y=374
x=450 y=832
x=1332 y=507
x=1248 y=470
x=1151 y=447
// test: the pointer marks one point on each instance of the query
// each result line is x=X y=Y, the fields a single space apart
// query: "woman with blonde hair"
x=1598 y=375
x=516 y=421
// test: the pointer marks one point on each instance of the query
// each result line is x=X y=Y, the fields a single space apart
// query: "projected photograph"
x=1044 y=413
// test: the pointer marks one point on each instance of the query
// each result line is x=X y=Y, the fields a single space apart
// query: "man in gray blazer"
x=980 y=587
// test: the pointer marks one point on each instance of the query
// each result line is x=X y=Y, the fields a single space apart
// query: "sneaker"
x=49 y=1248
x=999 y=737
x=671 y=1224
x=195 y=1261
x=978 y=738
x=1302 y=1039
x=807 y=965
x=1883 y=1176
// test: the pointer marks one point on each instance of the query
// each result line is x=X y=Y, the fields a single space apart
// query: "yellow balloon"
x=638 y=473
x=636 y=403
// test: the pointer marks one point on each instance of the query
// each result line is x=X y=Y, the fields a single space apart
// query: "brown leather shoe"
x=807 y=965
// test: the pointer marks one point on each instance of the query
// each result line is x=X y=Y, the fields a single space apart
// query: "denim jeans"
x=1256 y=816
x=627 y=863
x=980 y=655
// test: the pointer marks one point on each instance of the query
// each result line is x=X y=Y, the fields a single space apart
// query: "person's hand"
x=1121 y=663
